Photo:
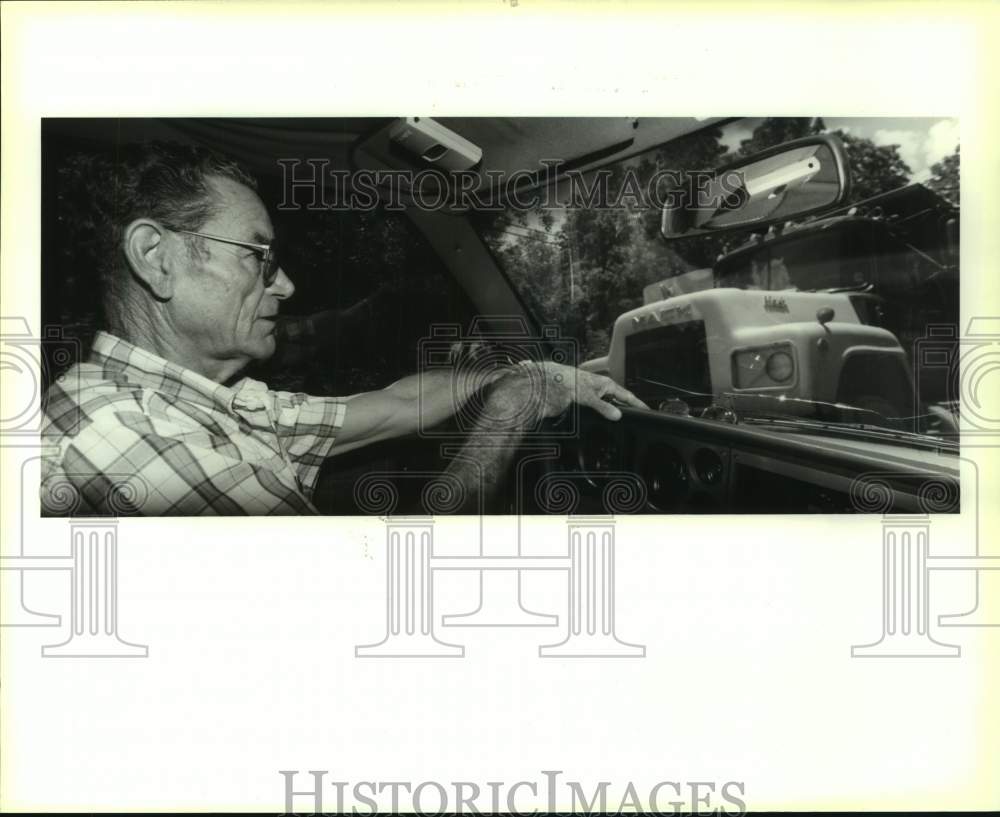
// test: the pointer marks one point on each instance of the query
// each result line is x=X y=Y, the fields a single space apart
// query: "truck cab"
x=784 y=351
x=814 y=318
x=895 y=254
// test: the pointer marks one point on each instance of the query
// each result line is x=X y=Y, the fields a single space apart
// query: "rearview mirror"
x=792 y=180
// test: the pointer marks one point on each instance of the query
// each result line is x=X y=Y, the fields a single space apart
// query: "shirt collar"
x=140 y=366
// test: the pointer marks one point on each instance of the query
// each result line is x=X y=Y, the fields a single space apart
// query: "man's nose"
x=282 y=287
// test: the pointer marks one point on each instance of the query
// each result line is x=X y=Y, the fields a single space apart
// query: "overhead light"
x=435 y=144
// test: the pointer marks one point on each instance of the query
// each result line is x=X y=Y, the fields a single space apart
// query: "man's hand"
x=518 y=400
x=541 y=390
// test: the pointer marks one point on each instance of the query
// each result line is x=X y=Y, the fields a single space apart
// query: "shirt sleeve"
x=307 y=427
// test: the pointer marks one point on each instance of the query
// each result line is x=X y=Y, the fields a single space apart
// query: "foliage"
x=581 y=268
x=874 y=168
x=945 y=177
x=578 y=268
x=776 y=130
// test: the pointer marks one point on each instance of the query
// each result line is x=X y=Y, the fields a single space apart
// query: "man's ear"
x=148 y=252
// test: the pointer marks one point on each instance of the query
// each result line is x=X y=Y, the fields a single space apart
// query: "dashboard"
x=668 y=464
x=652 y=463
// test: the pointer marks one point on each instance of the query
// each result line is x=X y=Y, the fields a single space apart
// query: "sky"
x=922 y=141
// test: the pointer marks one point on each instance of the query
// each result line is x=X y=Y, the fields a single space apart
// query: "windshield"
x=805 y=260
x=885 y=266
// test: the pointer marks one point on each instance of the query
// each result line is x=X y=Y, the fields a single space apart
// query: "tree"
x=612 y=253
x=945 y=177
x=619 y=250
x=874 y=168
x=776 y=130
x=703 y=150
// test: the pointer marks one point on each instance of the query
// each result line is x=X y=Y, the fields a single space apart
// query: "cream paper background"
x=748 y=623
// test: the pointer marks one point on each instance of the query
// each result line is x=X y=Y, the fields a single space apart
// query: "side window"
x=368 y=289
x=368 y=286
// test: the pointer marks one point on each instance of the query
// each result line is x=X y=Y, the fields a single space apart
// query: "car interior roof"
x=509 y=144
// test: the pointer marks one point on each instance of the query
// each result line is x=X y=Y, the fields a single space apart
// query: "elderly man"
x=192 y=283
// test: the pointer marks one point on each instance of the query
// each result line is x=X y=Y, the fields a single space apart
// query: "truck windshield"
x=580 y=268
x=837 y=257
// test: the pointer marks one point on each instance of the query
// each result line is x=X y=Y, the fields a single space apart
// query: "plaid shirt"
x=134 y=434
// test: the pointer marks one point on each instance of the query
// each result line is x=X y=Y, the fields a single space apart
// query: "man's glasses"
x=268 y=253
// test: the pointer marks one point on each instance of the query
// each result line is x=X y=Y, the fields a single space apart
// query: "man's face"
x=220 y=303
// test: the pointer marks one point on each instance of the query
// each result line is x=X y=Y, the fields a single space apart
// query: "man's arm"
x=482 y=463
x=519 y=396
x=417 y=401
x=516 y=402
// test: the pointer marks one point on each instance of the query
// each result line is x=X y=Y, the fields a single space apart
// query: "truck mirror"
x=795 y=179
x=825 y=314
x=951 y=240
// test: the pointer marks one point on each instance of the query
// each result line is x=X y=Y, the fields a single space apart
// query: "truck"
x=819 y=317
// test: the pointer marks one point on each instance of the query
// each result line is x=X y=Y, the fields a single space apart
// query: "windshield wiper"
x=862 y=287
x=783 y=400
x=881 y=428
x=859 y=430
x=652 y=382
x=839 y=407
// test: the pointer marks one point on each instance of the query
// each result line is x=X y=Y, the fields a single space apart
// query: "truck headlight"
x=780 y=367
x=761 y=368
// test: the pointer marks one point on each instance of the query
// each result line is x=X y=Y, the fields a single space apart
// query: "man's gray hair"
x=164 y=181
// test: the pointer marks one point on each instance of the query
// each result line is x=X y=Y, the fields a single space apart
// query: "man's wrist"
x=505 y=410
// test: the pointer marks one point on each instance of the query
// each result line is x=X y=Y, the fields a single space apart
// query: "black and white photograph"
x=425 y=407
x=479 y=315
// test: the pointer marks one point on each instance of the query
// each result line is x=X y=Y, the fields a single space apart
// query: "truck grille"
x=669 y=362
